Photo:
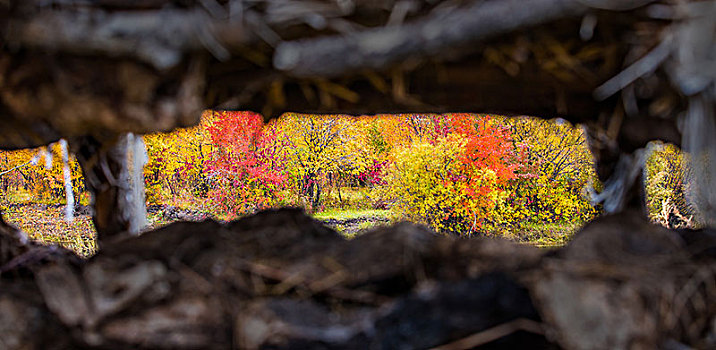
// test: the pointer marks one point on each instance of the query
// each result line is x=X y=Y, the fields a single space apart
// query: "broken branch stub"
x=113 y=177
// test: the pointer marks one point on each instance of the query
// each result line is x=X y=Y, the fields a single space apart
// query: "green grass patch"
x=347 y=214
x=543 y=235
x=17 y=196
x=353 y=222
x=156 y=220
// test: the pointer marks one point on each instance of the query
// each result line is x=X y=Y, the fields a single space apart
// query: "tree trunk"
x=102 y=167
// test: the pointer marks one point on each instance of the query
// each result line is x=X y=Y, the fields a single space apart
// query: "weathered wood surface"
x=100 y=68
x=95 y=70
x=279 y=280
x=92 y=70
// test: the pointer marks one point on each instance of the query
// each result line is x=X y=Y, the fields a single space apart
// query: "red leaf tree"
x=245 y=163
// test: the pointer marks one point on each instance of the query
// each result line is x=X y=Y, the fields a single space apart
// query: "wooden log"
x=451 y=29
x=161 y=38
x=279 y=279
x=103 y=167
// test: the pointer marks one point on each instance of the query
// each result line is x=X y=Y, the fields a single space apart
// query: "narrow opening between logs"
x=526 y=179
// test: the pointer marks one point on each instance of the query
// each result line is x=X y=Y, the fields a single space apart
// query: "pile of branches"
x=149 y=65
x=90 y=71
x=280 y=280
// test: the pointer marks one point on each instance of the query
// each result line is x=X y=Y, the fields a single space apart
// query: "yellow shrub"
x=427 y=183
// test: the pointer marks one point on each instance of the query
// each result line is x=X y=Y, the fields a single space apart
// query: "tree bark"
x=281 y=280
x=103 y=165
x=378 y=48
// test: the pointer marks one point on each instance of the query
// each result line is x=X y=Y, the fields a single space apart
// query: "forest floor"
x=354 y=222
x=46 y=223
x=543 y=235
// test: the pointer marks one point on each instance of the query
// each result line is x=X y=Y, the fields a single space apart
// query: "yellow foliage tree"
x=321 y=150
x=176 y=162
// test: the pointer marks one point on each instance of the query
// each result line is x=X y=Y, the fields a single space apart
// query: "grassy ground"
x=543 y=235
x=345 y=214
x=352 y=222
x=45 y=222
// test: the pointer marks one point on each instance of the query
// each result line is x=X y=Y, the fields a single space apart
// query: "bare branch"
x=17 y=167
x=159 y=37
x=379 y=48
x=641 y=67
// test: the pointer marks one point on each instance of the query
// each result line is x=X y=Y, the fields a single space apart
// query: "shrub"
x=245 y=164
x=665 y=186
x=432 y=183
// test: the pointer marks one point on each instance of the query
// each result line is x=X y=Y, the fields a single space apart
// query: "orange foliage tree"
x=452 y=179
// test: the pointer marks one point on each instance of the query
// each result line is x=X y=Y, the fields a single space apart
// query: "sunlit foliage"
x=321 y=151
x=245 y=166
x=492 y=173
x=38 y=175
x=665 y=176
x=178 y=162
x=451 y=180
x=558 y=169
x=462 y=174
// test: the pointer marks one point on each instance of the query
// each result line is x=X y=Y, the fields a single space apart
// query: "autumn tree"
x=666 y=179
x=177 y=162
x=321 y=150
x=558 y=168
x=246 y=165
x=453 y=182
x=14 y=169
x=40 y=173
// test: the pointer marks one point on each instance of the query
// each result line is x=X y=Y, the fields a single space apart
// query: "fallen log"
x=281 y=280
